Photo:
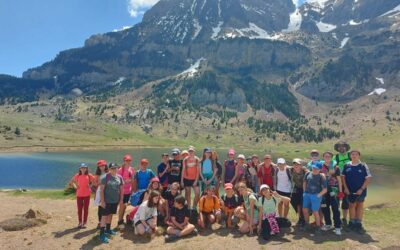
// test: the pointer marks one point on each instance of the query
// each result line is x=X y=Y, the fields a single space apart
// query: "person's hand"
x=359 y=192
x=259 y=228
x=274 y=193
x=319 y=195
x=103 y=204
x=195 y=184
x=340 y=195
x=346 y=191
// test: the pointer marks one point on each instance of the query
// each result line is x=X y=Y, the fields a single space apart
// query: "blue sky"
x=34 y=31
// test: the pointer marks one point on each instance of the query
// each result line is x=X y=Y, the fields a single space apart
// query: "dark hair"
x=98 y=171
x=150 y=187
x=180 y=200
x=153 y=194
x=86 y=172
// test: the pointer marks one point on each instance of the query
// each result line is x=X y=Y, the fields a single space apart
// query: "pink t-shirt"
x=127 y=174
x=83 y=181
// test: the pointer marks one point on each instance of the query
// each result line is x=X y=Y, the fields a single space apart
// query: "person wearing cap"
x=283 y=185
x=241 y=168
x=298 y=171
x=101 y=171
x=314 y=154
x=82 y=182
x=208 y=169
x=266 y=172
x=267 y=223
x=175 y=167
x=229 y=203
x=342 y=158
x=184 y=154
x=190 y=178
x=356 y=178
x=127 y=172
x=333 y=195
x=111 y=195
x=230 y=166
x=143 y=176
x=315 y=187
x=209 y=208
x=162 y=172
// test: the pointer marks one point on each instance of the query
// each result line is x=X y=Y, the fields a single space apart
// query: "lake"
x=53 y=170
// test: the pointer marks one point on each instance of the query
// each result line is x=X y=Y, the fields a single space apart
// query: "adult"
x=266 y=172
x=342 y=158
x=127 y=172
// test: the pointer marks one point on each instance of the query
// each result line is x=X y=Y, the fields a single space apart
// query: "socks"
x=108 y=226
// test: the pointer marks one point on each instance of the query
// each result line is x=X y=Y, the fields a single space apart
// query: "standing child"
x=190 y=178
x=208 y=169
x=82 y=182
x=215 y=159
x=298 y=172
x=209 y=208
x=230 y=166
x=251 y=209
x=283 y=185
x=229 y=203
x=241 y=169
x=101 y=171
x=268 y=225
x=266 y=172
x=127 y=173
x=111 y=194
x=356 y=177
x=314 y=159
x=162 y=171
x=180 y=226
x=143 y=176
x=145 y=219
x=175 y=167
x=251 y=173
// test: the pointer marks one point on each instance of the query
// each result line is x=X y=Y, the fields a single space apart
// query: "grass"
x=56 y=194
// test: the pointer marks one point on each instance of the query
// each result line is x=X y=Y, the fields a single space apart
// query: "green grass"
x=45 y=194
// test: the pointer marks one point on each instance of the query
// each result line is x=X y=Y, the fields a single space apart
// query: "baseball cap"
x=241 y=156
x=112 y=165
x=127 y=158
x=231 y=151
x=207 y=150
x=155 y=179
x=297 y=160
x=263 y=186
x=191 y=148
x=101 y=163
x=228 y=186
x=314 y=151
x=281 y=161
x=316 y=165
x=83 y=165
x=176 y=151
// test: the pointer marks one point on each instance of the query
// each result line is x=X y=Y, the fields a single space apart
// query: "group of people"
x=257 y=194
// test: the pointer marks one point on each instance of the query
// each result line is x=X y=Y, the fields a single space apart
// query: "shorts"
x=188 y=183
x=312 y=202
x=297 y=199
x=127 y=197
x=284 y=194
x=111 y=208
x=345 y=202
x=353 y=198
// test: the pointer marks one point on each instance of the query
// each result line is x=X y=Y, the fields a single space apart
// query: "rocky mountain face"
x=239 y=53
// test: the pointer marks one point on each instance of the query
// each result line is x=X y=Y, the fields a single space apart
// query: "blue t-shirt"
x=160 y=169
x=207 y=167
x=355 y=175
x=314 y=183
x=143 y=178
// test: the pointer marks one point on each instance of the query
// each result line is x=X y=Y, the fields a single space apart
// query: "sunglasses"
x=314 y=155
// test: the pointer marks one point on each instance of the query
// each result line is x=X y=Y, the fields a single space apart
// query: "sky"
x=33 y=32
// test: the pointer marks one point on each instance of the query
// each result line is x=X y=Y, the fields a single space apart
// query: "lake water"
x=53 y=170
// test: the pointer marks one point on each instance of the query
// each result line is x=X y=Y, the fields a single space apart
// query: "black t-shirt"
x=180 y=214
x=176 y=170
x=169 y=198
x=232 y=202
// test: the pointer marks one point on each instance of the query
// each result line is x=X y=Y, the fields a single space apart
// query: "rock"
x=17 y=224
x=36 y=214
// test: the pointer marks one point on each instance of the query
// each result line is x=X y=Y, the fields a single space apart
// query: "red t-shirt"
x=268 y=175
x=83 y=181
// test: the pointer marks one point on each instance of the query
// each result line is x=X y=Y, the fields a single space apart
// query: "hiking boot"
x=121 y=225
x=318 y=231
x=128 y=221
x=350 y=227
x=358 y=228
x=338 y=232
x=170 y=238
x=344 y=223
x=110 y=232
x=327 y=227
x=104 y=239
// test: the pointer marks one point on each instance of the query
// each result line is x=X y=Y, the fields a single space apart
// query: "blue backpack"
x=137 y=197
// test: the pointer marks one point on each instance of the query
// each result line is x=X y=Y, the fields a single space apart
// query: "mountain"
x=236 y=54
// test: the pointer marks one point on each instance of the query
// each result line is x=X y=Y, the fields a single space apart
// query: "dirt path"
x=60 y=233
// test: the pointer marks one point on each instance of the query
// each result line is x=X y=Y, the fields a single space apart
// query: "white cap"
x=241 y=156
x=263 y=186
x=281 y=161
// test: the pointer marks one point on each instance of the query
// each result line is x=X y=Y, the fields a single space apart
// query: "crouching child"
x=209 y=208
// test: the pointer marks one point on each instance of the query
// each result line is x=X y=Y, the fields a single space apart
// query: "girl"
x=145 y=219
x=82 y=182
x=230 y=168
x=251 y=173
x=230 y=202
x=208 y=169
x=215 y=159
x=101 y=171
x=190 y=178
x=298 y=172
x=356 y=178
x=241 y=169
x=209 y=208
x=267 y=223
x=155 y=185
x=127 y=172
x=169 y=197
x=251 y=206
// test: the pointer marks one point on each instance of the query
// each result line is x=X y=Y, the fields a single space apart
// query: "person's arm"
x=73 y=183
x=324 y=185
x=135 y=182
x=236 y=173
x=260 y=218
x=197 y=174
x=346 y=189
x=251 y=215
x=121 y=194
x=102 y=201
x=215 y=170
x=284 y=199
x=259 y=174
x=173 y=219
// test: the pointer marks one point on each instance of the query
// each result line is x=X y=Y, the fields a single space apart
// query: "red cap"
x=144 y=161
x=228 y=186
x=101 y=163
x=155 y=179
x=127 y=158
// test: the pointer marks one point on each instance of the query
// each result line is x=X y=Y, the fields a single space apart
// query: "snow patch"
x=295 y=21
x=344 y=42
x=123 y=28
x=197 y=28
x=378 y=91
x=394 y=10
x=321 y=3
x=381 y=80
x=216 y=31
x=119 y=81
x=193 y=69
x=255 y=32
x=325 y=27
x=352 y=22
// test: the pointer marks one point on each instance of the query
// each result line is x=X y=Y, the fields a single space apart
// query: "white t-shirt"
x=284 y=184
x=144 y=212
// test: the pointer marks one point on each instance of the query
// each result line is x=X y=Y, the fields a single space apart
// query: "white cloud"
x=138 y=7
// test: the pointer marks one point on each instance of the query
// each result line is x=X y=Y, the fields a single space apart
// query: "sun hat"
x=342 y=143
x=184 y=152
x=281 y=161
x=297 y=160
x=127 y=158
x=191 y=148
x=228 y=186
x=101 y=163
x=263 y=186
x=314 y=151
x=241 y=156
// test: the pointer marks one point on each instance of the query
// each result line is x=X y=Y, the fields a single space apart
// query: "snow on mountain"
x=216 y=31
x=197 y=28
x=325 y=27
x=381 y=80
x=192 y=70
x=255 y=32
x=295 y=21
x=395 y=10
x=352 y=22
x=378 y=91
x=344 y=42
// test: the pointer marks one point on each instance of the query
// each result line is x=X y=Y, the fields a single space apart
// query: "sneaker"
x=358 y=228
x=79 y=226
x=121 y=225
x=195 y=232
x=327 y=227
x=344 y=223
x=104 y=239
x=83 y=226
x=318 y=231
x=170 y=238
x=111 y=232
x=338 y=232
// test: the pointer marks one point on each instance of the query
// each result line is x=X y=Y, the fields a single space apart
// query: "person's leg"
x=306 y=215
x=140 y=230
x=121 y=213
x=229 y=214
x=99 y=213
x=317 y=219
x=265 y=230
x=336 y=212
x=326 y=210
x=79 y=204
x=173 y=231
x=86 y=202
x=286 y=210
x=352 y=213
x=188 y=196
x=201 y=221
x=359 y=215
x=196 y=196
x=245 y=228
x=211 y=218
x=280 y=209
x=218 y=216
x=188 y=229
x=217 y=185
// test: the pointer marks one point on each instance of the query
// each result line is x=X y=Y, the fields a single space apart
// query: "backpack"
x=263 y=200
x=214 y=201
x=343 y=160
x=234 y=195
x=137 y=197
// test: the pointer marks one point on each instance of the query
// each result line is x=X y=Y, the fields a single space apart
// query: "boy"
x=356 y=177
x=179 y=226
x=162 y=171
x=175 y=167
x=127 y=173
x=314 y=187
x=283 y=185
x=209 y=208
x=266 y=171
x=298 y=172
x=143 y=176
x=229 y=203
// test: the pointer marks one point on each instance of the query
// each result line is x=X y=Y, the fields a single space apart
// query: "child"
x=229 y=203
x=266 y=172
x=298 y=172
x=111 y=194
x=143 y=176
x=283 y=185
x=241 y=169
x=215 y=159
x=162 y=171
x=251 y=205
x=82 y=182
x=145 y=219
x=230 y=168
x=101 y=171
x=251 y=173
x=314 y=159
x=162 y=206
x=342 y=158
x=175 y=167
x=356 y=177
x=127 y=173
x=180 y=225
x=190 y=178
x=169 y=197
x=208 y=170
x=209 y=208
x=268 y=224
x=331 y=198
x=315 y=187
